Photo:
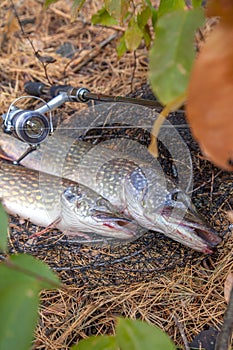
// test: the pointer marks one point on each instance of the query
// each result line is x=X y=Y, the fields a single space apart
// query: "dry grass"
x=194 y=295
x=154 y=279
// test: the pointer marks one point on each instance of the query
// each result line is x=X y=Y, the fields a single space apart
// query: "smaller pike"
x=133 y=186
x=50 y=201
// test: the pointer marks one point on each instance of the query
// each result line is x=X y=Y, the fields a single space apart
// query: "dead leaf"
x=221 y=8
x=206 y=339
x=210 y=91
x=45 y=59
x=209 y=103
x=228 y=285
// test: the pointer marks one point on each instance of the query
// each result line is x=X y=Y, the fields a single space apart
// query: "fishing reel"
x=29 y=126
x=34 y=126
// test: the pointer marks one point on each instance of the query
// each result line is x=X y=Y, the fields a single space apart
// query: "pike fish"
x=134 y=187
x=61 y=203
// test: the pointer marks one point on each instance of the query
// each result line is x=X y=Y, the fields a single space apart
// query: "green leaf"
x=21 y=279
x=133 y=36
x=147 y=36
x=103 y=17
x=142 y=21
x=117 y=9
x=101 y=342
x=3 y=228
x=47 y=3
x=138 y=335
x=154 y=13
x=19 y=315
x=197 y=3
x=167 y=6
x=34 y=269
x=172 y=54
x=143 y=17
x=121 y=47
x=154 y=18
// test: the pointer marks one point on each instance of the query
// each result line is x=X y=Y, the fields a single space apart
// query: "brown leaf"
x=45 y=59
x=222 y=8
x=228 y=285
x=210 y=95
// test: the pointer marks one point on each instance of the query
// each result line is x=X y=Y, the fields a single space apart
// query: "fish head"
x=83 y=210
x=184 y=224
x=158 y=204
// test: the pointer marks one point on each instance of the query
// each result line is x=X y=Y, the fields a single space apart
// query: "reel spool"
x=31 y=127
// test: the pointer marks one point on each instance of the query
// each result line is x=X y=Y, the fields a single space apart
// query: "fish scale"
x=43 y=199
x=140 y=190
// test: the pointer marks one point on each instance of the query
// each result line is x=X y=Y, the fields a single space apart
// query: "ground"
x=154 y=278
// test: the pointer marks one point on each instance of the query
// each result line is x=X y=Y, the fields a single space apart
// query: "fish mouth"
x=125 y=226
x=200 y=227
x=194 y=231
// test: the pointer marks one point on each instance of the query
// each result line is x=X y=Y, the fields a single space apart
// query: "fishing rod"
x=34 y=126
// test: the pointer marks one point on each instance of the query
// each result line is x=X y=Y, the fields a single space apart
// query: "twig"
x=224 y=337
x=39 y=57
x=206 y=182
x=182 y=333
x=76 y=66
x=134 y=70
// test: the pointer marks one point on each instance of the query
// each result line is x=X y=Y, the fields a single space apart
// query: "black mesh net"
x=150 y=255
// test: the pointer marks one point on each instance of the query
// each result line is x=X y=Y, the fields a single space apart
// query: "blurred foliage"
x=130 y=334
x=172 y=54
x=22 y=277
x=3 y=229
x=167 y=32
x=213 y=127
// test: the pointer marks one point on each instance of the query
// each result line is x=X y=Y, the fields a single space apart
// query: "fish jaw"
x=195 y=226
x=192 y=239
x=85 y=211
x=116 y=226
x=188 y=229
x=152 y=207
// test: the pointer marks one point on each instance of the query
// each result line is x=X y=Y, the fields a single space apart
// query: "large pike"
x=60 y=203
x=135 y=187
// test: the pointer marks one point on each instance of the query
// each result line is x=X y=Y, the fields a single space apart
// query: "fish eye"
x=73 y=194
x=180 y=197
x=101 y=202
x=174 y=195
x=69 y=194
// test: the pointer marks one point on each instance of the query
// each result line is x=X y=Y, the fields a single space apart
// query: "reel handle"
x=84 y=95
x=34 y=88
x=73 y=94
x=38 y=89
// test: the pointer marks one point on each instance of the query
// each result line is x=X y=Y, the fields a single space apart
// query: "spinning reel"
x=34 y=126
